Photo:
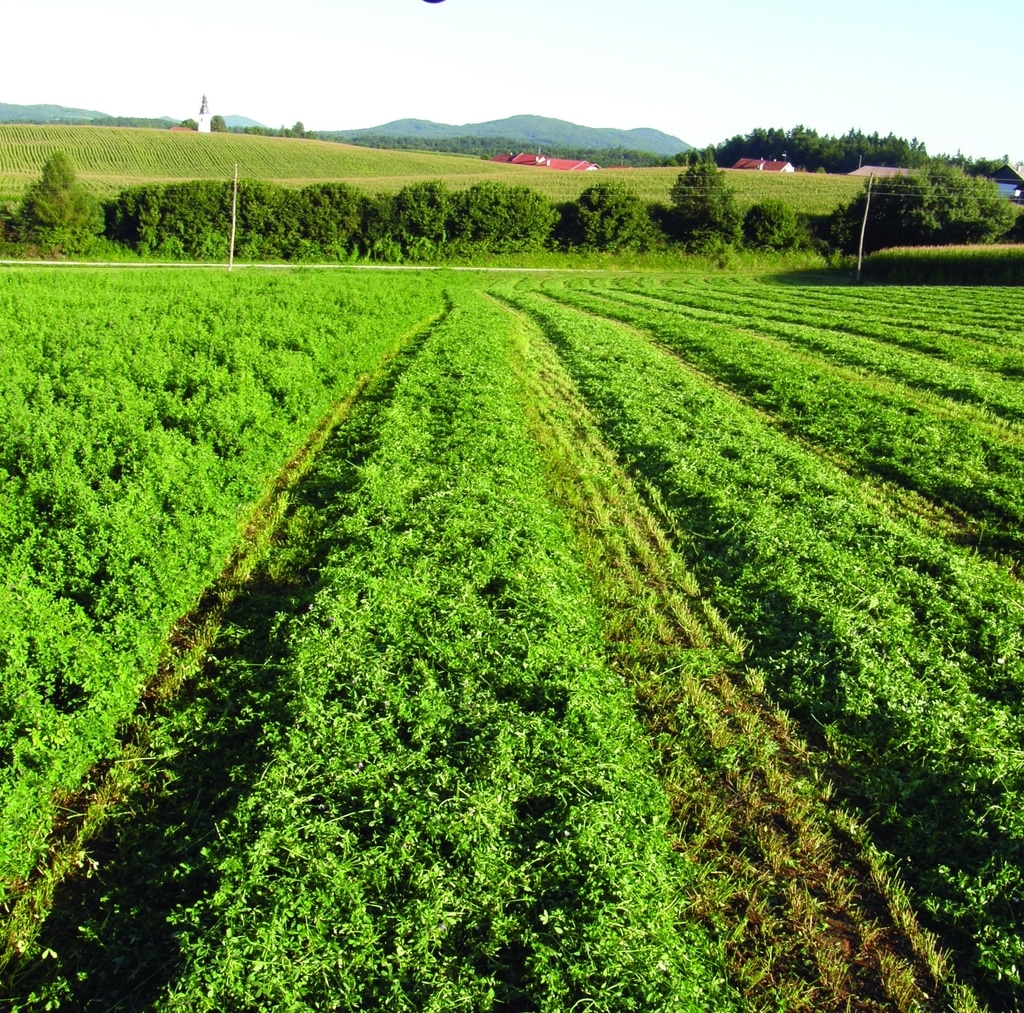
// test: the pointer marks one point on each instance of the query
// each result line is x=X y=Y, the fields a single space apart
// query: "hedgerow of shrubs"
x=421 y=222
x=328 y=221
x=426 y=221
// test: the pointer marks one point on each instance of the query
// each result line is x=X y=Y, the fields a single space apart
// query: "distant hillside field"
x=110 y=158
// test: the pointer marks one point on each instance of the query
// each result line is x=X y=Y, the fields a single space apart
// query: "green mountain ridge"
x=242 y=121
x=528 y=131
x=533 y=131
x=11 y=113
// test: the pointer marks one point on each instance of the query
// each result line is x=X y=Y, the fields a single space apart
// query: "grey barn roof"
x=878 y=170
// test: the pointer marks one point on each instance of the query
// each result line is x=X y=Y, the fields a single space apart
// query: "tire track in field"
x=810 y=917
x=118 y=786
x=893 y=500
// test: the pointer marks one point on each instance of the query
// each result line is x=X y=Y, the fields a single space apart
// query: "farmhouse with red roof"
x=565 y=164
x=763 y=165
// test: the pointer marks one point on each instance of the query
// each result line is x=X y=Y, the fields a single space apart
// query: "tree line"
x=427 y=221
x=806 y=149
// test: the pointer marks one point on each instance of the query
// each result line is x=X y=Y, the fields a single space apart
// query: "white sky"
x=934 y=70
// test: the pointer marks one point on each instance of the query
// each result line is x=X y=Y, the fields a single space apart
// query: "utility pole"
x=863 y=227
x=234 y=207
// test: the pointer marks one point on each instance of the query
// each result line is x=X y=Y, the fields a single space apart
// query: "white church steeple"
x=204 y=117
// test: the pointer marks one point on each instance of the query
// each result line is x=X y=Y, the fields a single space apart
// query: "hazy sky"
x=702 y=72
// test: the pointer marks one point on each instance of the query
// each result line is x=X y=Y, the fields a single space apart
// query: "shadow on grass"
x=921 y=814
x=827 y=277
x=115 y=943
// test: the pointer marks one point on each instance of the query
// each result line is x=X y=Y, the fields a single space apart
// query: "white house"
x=763 y=165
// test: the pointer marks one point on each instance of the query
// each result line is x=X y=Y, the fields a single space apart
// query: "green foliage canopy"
x=502 y=219
x=609 y=217
x=940 y=207
x=770 y=225
x=57 y=211
x=809 y=150
x=705 y=213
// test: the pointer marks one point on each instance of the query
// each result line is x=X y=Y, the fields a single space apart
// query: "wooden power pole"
x=234 y=207
x=863 y=227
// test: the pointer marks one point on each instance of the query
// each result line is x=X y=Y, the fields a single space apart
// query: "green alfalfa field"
x=108 y=159
x=434 y=640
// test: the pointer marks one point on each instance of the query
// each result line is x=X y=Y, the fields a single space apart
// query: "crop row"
x=945 y=454
x=901 y=651
x=111 y=157
x=967 y=371
x=952 y=326
x=457 y=809
x=164 y=155
x=141 y=418
x=964 y=370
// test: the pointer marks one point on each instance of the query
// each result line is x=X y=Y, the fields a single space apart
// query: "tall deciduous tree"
x=217 y=125
x=57 y=211
x=704 y=213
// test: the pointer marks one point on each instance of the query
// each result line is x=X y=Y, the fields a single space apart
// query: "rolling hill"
x=108 y=159
x=532 y=131
x=10 y=113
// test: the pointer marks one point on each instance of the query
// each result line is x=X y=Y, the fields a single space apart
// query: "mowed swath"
x=869 y=555
x=407 y=741
x=110 y=158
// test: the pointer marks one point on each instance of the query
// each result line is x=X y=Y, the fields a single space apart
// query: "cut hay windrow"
x=897 y=649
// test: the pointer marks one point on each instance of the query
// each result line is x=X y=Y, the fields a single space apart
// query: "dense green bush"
x=427 y=221
x=940 y=207
x=422 y=219
x=496 y=218
x=770 y=225
x=193 y=220
x=176 y=220
x=705 y=213
x=608 y=217
x=328 y=221
x=57 y=211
